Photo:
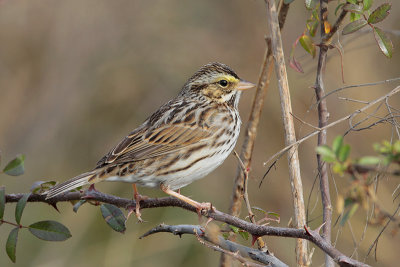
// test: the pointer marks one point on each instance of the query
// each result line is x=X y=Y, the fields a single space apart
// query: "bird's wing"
x=147 y=143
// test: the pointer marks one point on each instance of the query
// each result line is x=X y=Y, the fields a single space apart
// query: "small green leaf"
x=234 y=229
x=349 y=213
x=258 y=209
x=396 y=147
x=20 y=207
x=337 y=144
x=344 y=153
x=276 y=215
x=348 y=202
x=353 y=8
x=339 y=168
x=310 y=4
x=380 y=13
x=41 y=186
x=225 y=235
x=354 y=26
x=338 y=7
x=312 y=27
x=2 y=201
x=326 y=153
x=113 y=217
x=11 y=244
x=367 y=4
x=354 y=16
x=49 y=231
x=244 y=235
x=16 y=166
x=385 y=44
x=369 y=160
x=352 y=1
x=287 y=1
x=308 y=44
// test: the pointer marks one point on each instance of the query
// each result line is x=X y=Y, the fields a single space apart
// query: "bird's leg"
x=137 y=198
x=199 y=206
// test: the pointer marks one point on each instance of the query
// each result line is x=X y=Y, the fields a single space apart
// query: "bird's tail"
x=77 y=181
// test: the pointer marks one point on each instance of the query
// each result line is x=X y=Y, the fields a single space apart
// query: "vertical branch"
x=290 y=136
x=322 y=122
x=251 y=128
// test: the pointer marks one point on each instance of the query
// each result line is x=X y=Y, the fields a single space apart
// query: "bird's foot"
x=136 y=209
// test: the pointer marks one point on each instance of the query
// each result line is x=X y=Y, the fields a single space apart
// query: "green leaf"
x=287 y=1
x=385 y=44
x=11 y=244
x=354 y=16
x=367 y=4
x=344 y=153
x=312 y=27
x=276 y=215
x=49 y=231
x=352 y=1
x=310 y=4
x=326 y=153
x=338 y=7
x=380 y=13
x=337 y=144
x=339 y=168
x=349 y=213
x=41 y=186
x=244 y=235
x=16 y=166
x=225 y=235
x=308 y=44
x=258 y=209
x=2 y=201
x=396 y=147
x=234 y=229
x=113 y=217
x=353 y=8
x=354 y=26
x=20 y=207
x=369 y=160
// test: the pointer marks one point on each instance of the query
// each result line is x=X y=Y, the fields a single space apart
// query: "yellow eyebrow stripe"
x=229 y=78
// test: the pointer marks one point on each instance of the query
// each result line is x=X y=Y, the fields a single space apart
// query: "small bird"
x=183 y=141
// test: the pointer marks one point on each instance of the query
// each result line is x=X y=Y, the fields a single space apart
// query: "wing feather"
x=144 y=143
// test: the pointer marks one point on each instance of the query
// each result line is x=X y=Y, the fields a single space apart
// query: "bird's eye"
x=223 y=83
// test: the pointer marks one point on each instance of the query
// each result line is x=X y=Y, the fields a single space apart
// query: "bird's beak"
x=244 y=85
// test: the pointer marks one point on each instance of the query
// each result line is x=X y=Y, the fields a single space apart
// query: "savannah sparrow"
x=184 y=140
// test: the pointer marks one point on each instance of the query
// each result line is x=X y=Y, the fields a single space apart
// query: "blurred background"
x=77 y=76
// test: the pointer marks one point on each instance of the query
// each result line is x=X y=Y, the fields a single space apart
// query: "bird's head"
x=217 y=82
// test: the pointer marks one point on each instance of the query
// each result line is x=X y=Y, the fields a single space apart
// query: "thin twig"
x=323 y=117
x=357 y=86
x=260 y=241
x=308 y=136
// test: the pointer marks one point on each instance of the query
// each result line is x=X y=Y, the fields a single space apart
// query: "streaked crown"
x=217 y=82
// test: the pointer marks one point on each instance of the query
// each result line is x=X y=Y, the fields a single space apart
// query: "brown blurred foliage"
x=76 y=76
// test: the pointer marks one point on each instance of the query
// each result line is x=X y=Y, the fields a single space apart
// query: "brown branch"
x=252 y=125
x=256 y=230
x=232 y=249
x=251 y=131
x=323 y=116
x=290 y=135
